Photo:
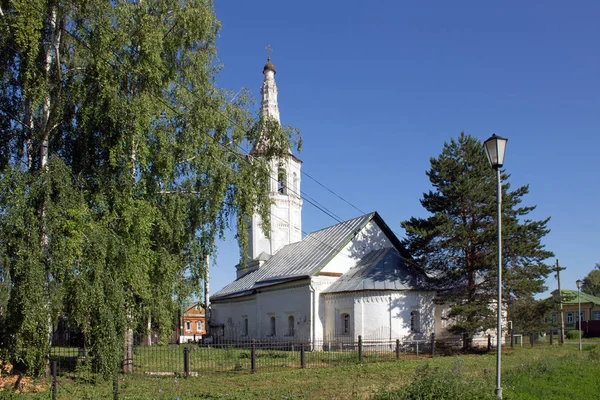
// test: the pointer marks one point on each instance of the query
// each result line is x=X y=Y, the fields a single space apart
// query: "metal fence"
x=72 y=361
x=252 y=355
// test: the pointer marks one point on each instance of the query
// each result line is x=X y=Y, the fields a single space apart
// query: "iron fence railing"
x=251 y=355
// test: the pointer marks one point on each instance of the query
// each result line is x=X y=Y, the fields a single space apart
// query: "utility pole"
x=561 y=338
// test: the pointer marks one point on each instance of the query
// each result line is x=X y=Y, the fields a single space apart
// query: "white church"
x=350 y=279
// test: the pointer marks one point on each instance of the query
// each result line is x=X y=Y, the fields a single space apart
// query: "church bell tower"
x=284 y=189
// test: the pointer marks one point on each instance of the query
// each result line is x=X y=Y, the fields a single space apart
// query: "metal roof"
x=298 y=260
x=383 y=269
x=570 y=297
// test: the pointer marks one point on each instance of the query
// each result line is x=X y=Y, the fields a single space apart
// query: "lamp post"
x=579 y=283
x=494 y=149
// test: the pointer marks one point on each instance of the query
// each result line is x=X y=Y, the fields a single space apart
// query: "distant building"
x=193 y=324
x=590 y=308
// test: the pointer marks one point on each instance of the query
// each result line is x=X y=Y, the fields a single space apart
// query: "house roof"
x=303 y=259
x=570 y=297
x=383 y=269
x=194 y=308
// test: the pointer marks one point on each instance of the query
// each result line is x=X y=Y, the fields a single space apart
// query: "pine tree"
x=119 y=166
x=457 y=243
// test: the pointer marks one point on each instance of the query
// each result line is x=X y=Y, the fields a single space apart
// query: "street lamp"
x=494 y=149
x=579 y=284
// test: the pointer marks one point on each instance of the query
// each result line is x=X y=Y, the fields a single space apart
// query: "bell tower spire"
x=269 y=108
x=284 y=189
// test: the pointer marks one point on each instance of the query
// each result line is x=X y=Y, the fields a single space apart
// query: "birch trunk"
x=43 y=157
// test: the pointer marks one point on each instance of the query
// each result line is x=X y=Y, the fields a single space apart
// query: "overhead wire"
x=243 y=153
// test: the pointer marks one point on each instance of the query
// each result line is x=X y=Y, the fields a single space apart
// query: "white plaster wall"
x=370 y=238
x=282 y=303
x=318 y=284
x=380 y=315
x=286 y=213
x=293 y=299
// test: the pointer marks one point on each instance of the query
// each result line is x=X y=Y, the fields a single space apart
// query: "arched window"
x=245 y=327
x=273 y=330
x=415 y=321
x=199 y=326
x=291 y=325
x=281 y=180
x=345 y=322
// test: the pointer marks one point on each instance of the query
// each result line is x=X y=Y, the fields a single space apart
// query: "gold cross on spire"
x=269 y=50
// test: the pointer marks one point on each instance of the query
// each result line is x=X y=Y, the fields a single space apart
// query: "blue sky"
x=377 y=87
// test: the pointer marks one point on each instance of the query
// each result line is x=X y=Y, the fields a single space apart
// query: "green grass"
x=542 y=372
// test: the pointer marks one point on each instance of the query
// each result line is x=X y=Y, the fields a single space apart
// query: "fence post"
x=360 y=355
x=432 y=344
x=561 y=338
x=116 y=387
x=551 y=337
x=302 y=360
x=253 y=356
x=489 y=342
x=397 y=349
x=54 y=380
x=186 y=361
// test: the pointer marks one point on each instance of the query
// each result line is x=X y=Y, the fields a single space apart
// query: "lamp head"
x=494 y=150
x=579 y=283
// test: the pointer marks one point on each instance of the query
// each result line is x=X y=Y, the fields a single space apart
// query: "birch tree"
x=120 y=165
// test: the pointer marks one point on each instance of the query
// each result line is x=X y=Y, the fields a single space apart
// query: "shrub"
x=573 y=335
x=433 y=383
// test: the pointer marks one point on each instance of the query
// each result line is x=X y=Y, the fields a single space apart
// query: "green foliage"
x=119 y=167
x=433 y=383
x=457 y=243
x=530 y=316
x=591 y=283
x=574 y=335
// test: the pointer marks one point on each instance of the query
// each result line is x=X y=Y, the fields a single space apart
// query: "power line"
x=243 y=156
x=305 y=196
x=334 y=193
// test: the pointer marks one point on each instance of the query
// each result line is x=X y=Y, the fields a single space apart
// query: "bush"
x=433 y=383
x=573 y=335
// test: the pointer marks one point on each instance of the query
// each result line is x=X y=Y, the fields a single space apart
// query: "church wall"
x=370 y=238
x=280 y=302
x=286 y=220
x=379 y=315
x=318 y=284
x=231 y=314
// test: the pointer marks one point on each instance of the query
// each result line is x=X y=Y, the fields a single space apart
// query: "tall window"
x=581 y=316
x=291 y=325
x=345 y=320
x=569 y=317
x=296 y=188
x=415 y=321
x=188 y=326
x=199 y=326
x=554 y=317
x=245 y=327
x=281 y=180
x=273 y=330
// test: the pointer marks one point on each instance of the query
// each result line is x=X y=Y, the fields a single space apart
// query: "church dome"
x=269 y=66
